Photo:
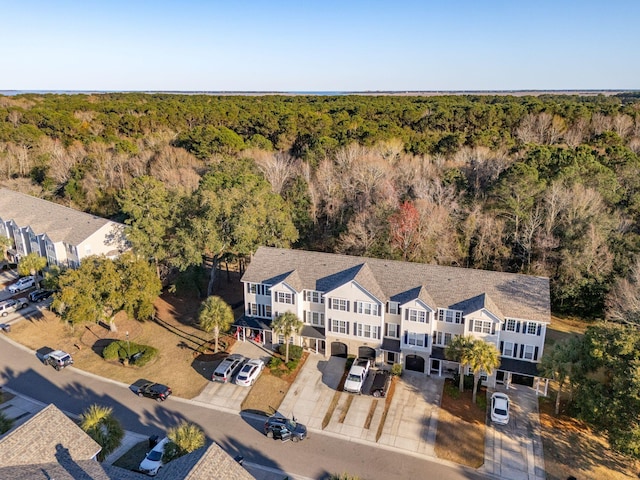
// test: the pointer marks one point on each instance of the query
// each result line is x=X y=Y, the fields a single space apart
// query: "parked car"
x=284 y=429
x=58 y=359
x=380 y=383
x=500 y=408
x=153 y=460
x=23 y=283
x=39 y=295
x=157 y=391
x=227 y=368
x=12 y=305
x=250 y=372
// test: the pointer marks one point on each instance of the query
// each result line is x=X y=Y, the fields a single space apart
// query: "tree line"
x=541 y=185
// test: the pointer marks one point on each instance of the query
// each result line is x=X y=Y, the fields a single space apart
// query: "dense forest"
x=544 y=185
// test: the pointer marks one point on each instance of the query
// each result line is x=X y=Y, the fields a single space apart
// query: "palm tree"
x=5 y=244
x=456 y=351
x=481 y=357
x=215 y=315
x=287 y=324
x=6 y=423
x=31 y=265
x=559 y=363
x=185 y=438
x=100 y=424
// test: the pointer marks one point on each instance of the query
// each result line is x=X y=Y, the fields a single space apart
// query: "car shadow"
x=206 y=363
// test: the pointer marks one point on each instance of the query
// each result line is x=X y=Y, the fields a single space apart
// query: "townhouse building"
x=61 y=234
x=398 y=312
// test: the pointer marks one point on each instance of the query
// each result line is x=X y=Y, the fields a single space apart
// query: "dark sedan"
x=40 y=295
x=154 y=390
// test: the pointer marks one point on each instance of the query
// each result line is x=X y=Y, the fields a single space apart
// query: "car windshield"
x=353 y=378
x=291 y=425
x=500 y=411
x=154 y=455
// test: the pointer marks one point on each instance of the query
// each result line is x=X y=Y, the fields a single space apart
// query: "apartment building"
x=398 y=312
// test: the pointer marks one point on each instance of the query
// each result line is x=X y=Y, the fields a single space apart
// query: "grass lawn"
x=132 y=458
x=461 y=426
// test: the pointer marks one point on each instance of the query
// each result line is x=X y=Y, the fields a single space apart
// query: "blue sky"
x=307 y=45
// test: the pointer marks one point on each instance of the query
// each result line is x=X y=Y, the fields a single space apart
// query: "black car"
x=40 y=295
x=284 y=429
x=154 y=390
x=380 y=383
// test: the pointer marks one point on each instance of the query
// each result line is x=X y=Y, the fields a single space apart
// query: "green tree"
x=215 y=315
x=31 y=264
x=481 y=357
x=184 y=438
x=140 y=285
x=456 y=351
x=149 y=207
x=6 y=423
x=100 y=424
x=559 y=363
x=286 y=324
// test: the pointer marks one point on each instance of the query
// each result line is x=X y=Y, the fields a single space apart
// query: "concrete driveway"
x=514 y=451
x=410 y=423
x=229 y=396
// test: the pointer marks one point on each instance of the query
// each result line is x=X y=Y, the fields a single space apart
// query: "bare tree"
x=363 y=231
x=623 y=125
x=278 y=168
x=542 y=128
x=576 y=132
x=623 y=301
x=600 y=123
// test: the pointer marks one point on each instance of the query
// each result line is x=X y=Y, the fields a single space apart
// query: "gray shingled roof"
x=204 y=464
x=513 y=295
x=41 y=438
x=476 y=303
x=60 y=223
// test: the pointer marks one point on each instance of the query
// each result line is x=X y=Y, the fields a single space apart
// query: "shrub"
x=295 y=351
x=275 y=363
x=467 y=382
x=292 y=365
x=451 y=390
x=134 y=353
x=396 y=369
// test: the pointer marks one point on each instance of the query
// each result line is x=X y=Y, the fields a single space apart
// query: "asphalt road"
x=316 y=457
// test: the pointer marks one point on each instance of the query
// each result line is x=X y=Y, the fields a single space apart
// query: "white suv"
x=12 y=305
x=22 y=284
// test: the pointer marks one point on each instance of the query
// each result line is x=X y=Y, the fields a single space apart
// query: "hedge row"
x=135 y=353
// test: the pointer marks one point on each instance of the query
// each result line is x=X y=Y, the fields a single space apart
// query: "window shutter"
x=493 y=329
x=378 y=332
x=386 y=307
x=406 y=335
x=501 y=347
x=380 y=310
x=504 y=325
x=293 y=298
x=426 y=340
x=514 y=354
x=304 y=295
x=348 y=305
x=406 y=314
x=539 y=329
x=434 y=337
x=471 y=324
x=304 y=316
x=462 y=320
x=535 y=354
x=347 y=327
x=521 y=351
x=330 y=304
x=355 y=328
x=524 y=327
x=329 y=324
x=517 y=327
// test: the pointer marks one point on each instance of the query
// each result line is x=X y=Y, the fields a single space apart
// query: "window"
x=482 y=326
x=284 y=297
x=449 y=316
x=367 y=308
x=507 y=350
x=393 y=308
x=265 y=290
x=367 y=331
x=447 y=339
x=393 y=330
x=281 y=339
x=416 y=339
x=417 y=316
x=267 y=311
x=339 y=326
x=313 y=296
x=528 y=352
x=252 y=288
x=532 y=328
x=392 y=357
x=253 y=309
x=437 y=338
x=511 y=325
x=314 y=318
x=339 y=304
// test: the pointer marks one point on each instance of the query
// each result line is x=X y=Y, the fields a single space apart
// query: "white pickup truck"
x=357 y=375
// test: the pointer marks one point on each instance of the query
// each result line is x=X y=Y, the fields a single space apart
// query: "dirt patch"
x=461 y=427
x=269 y=391
x=572 y=448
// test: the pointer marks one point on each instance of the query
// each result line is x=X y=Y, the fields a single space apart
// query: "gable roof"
x=477 y=303
x=204 y=464
x=43 y=437
x=507 y=294
x=60 y=223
